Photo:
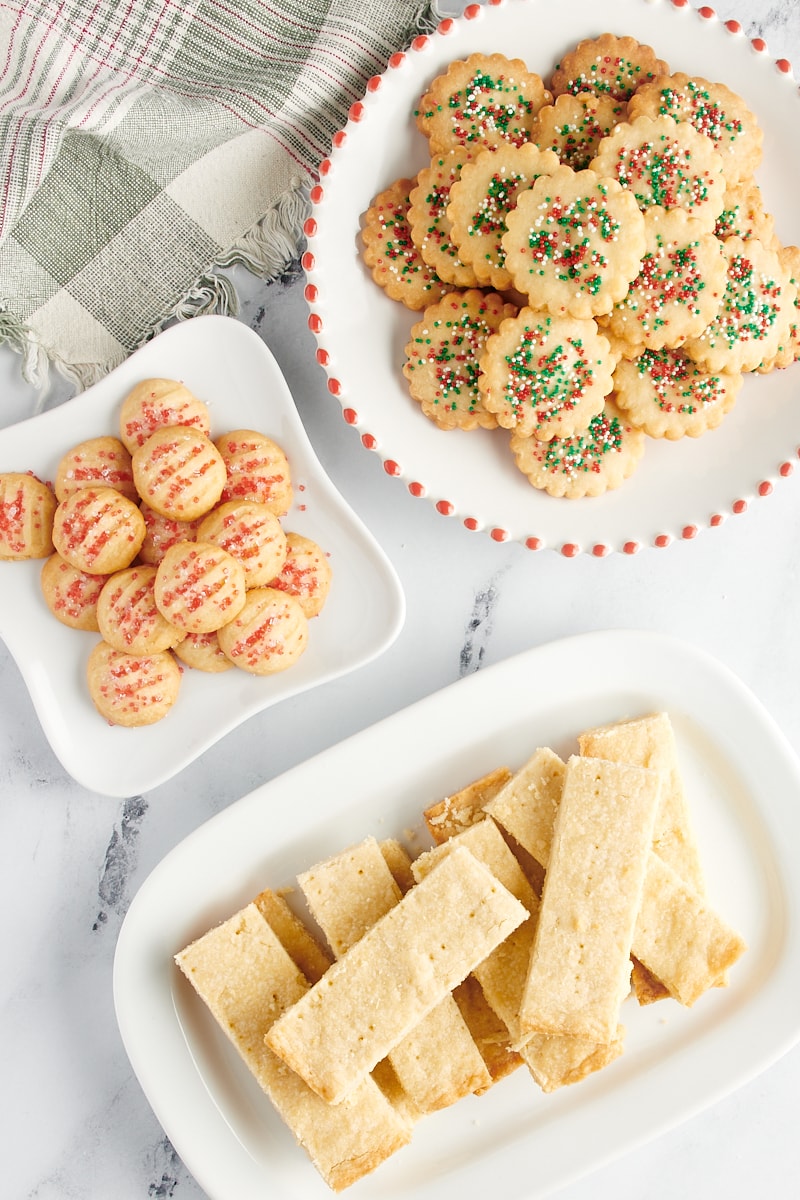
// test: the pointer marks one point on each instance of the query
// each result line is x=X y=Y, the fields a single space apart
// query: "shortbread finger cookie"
x=156 y=403
x=257 y=469
x=667 y=395
x=545 y=376
x=179 y=472
x=574 y=243
x=679 y=287
x=665 y=163
x=443 y=356
x=429 y=219
x=98 y=530
x=71 y=594
x=389 y=252
x=306 y=573
x=202 y=651
x=132 y=689
x=575 y=125
x=97 y=462
x=607 y=65
x=483 y=100
x=588 y=463
x=128 y=617
x=27 y=510
x=481 y=200
x=789 y=349
x=199 y=587
x=268 y=635
x=743 y=215
x=713 y=109
x=163 y=532
x=755 y=316
x=251 y=532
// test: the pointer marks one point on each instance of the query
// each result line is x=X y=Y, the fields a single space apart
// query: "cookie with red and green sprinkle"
x=754 y=320
x=665 y=163
x=679 y=287
x=575 y=242
x=574 y=126
x=443 y=355
x=429 y=220
x=789 y=350
x=589 y=462
x=744 y=215
x=482 y=199
x=667 y=395
x=484 y=100
x=714 y=110
x=389 y=252
x=545 y=376
x=608 y=66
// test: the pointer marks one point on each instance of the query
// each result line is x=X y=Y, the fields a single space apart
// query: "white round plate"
x=230 y=368
x=679 y=488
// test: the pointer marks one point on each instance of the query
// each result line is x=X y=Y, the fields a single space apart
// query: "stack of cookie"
x=592 y=258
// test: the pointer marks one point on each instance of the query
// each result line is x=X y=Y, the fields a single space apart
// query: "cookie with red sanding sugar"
x=132 y=689
x=443 y=355
x=789 y=350
x=667 y=395
x=713 y=109
x=127 y=615
x=607 y=65
x=665 y=163
x=544 y=376
x=202 y=652
x=257 y=469
x=756 y=313
x=592 y=461
x=250 y=532
x=161 y=533
x=483 y=100
x=744 y=215
x=269 y=634
x=429 y=219
x=199 y=587
x=679 y=287
x=98 y=530
x=97 y=462
x=154 y=403
x=179 y=472
x=306 y=574
x=27 y=512
x=574 y=126
x=482 y=199
x=389 y=251
x=71 y=594
x=574 y=243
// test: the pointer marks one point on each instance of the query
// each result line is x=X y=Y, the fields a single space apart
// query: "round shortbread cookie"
x=163 y=532
x=546 y=376
x=97 y=462
x=257 y=469
x=574 y=243
x=27 y=510
x=713 y=109
x=789 y=349
x=132 y=689
x=98 y=530
x=481 y=200
x=484 y=100
x=71 y=594
x=179 y=472
x=743 y=215
x=588 y=463
x=757 y=310
x=155 y=403
x=443 y=356
x=665 y=163
x=199 y=587
x=250 y=532
x=269 y=634
x=667 y=395
x=202 y=652
x=679 y=287
x=429 y=220
x=127 y=615
x=389 y=251
x=306 y=573
x=607 y=65
x=575 y=125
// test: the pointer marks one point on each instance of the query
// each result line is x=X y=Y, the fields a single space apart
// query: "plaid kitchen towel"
x=145 y=144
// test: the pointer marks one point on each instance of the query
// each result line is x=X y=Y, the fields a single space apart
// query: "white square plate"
x=230 y=368
x=743 y=782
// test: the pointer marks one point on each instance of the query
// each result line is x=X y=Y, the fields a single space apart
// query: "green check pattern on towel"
x=145 y=144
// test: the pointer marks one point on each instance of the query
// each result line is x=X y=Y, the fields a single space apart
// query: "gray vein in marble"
x=120 y=861
x=167 y=1162
x=478 y=631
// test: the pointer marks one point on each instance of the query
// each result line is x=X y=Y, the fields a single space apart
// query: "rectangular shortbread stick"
x=247 y=979
x=580 y=965
x=394 y=975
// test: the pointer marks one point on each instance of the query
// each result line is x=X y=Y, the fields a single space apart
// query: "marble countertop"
x=76 y=1125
